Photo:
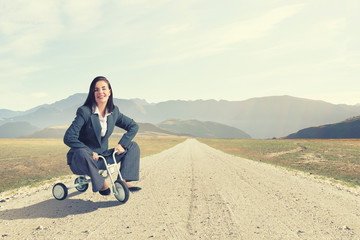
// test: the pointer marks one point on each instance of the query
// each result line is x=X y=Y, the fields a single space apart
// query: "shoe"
x=105 y=192
x=134 y=189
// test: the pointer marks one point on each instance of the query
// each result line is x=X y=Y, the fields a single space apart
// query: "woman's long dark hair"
x=90 y=100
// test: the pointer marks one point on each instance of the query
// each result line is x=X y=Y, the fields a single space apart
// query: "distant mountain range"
x=58 y=132
x=264 y=117
x=350 y=128
x=202 y=129
x=217 y=130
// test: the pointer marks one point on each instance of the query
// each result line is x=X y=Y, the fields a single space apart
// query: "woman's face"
x=102 y=92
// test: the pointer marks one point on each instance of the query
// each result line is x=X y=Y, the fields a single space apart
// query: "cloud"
x=10 y=70
x=28 y=26
x=256 y=27
x=82 y=16
x=190 y=38
x=39 y=94
x=176 y=28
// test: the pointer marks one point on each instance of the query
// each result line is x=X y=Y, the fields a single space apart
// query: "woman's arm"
x=71 y=137
x=129 y=125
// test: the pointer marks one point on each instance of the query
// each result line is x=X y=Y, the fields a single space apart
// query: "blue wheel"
x=83 y=186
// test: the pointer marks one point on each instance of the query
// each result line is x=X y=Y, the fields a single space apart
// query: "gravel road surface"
x=191 y=191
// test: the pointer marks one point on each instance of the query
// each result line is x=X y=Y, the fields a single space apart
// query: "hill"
x=349 y=128
x=11 y=129
x=50 y=132
x=203 y=129
x=58 y=132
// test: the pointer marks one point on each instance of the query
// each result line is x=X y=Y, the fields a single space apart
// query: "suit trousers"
x=82 y=163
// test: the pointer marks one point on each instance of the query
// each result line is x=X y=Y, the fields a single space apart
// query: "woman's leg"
x=82 y=163
x=130 y=162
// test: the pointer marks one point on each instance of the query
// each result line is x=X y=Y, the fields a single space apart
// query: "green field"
x=335 y=159
x=30 y=161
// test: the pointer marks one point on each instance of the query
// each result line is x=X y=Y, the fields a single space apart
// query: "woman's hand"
x=95 y=156
x=120 y=149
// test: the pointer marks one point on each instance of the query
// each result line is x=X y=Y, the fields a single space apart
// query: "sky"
x=163 y=50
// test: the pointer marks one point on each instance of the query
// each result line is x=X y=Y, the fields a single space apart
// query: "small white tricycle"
x=120 y=190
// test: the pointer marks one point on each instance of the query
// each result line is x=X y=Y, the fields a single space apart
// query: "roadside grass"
x=336 y=159
x=29 y=162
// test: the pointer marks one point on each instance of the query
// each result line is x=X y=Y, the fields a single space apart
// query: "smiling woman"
x=89 y=133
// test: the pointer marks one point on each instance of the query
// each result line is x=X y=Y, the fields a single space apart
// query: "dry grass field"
x=30 y=161
x=337 y=159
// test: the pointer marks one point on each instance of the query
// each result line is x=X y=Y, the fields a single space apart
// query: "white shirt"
x=103 y=120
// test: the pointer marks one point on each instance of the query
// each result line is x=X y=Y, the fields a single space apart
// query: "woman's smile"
x=102 y=92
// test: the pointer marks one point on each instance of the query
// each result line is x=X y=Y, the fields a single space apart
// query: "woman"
x=89 y=133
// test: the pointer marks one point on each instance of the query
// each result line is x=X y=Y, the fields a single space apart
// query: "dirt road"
x=192 y=191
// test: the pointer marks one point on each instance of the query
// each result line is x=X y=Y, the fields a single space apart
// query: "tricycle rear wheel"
x=82 y=187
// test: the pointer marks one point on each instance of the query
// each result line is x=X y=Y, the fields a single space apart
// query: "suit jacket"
x=85 y=131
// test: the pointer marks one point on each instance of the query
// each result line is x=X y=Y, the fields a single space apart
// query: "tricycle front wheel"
x=60 y=191
x=121 y=191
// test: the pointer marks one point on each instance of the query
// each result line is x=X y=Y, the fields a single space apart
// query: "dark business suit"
x=84 y=137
